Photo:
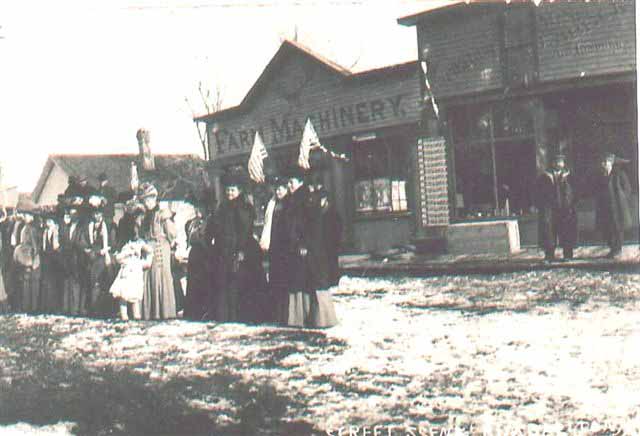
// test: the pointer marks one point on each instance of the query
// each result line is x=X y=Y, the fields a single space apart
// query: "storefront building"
x=372 y=117
x=516 y=83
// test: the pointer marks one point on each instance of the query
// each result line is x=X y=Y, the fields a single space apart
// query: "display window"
x=380 y=169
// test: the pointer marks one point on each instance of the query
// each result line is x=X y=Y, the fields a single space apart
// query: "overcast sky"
x=82 y=76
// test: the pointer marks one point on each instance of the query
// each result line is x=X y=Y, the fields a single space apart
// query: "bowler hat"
x=608 y=156
x=102 y=177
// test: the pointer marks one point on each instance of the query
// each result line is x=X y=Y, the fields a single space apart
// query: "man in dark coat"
x=613 y=212
x=557 y=216
x=237 y=272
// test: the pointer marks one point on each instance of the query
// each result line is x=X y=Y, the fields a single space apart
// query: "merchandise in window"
x=380 y=168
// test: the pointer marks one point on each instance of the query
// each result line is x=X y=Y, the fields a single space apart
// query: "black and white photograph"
x=307 y=217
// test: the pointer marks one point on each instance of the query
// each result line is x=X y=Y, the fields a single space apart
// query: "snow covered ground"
x=554 y=351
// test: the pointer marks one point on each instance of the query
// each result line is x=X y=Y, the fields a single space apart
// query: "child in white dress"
x=134 y=257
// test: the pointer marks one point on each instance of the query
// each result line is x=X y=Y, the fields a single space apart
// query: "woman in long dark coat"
x=613 y=211
x=4 y=298
x=198 y=272
x=309 y=303
x=237 y=273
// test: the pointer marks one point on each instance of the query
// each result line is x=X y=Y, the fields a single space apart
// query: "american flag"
x=429 y=93
x=309 y=140
x=256 y=160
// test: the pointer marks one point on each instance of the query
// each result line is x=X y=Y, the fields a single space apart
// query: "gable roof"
x=287 y=47
x=176 y=175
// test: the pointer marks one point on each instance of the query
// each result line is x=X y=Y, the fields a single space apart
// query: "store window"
x=495 y=162
x=380 y=168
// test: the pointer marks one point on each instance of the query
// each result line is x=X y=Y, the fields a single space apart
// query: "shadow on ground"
x=38 y=389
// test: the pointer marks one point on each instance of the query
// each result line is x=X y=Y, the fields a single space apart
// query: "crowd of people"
x=74 y=259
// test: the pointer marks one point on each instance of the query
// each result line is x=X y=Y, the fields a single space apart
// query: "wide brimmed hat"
x=559 y=156
x=294 y=171
x=276 y=181
x=102 y=177
x=147 y=190
x=233 y=180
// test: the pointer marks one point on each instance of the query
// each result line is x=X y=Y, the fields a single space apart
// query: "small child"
x=134 y=257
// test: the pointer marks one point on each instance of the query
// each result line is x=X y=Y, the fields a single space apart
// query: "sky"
x=82 y=76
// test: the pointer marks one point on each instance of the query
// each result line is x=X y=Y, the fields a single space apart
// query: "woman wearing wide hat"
x=158 y=229
x=237 y=273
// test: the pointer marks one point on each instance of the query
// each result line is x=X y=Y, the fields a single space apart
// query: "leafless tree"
x=211 y=100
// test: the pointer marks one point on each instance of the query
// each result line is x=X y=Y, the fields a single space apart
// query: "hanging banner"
x=433 y=186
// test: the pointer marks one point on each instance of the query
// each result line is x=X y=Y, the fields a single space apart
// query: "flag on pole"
x=256 y=160
x=309 y=140
x=134 y=177
x=429 y=93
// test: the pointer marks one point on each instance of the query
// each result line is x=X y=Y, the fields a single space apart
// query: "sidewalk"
x=397 y=262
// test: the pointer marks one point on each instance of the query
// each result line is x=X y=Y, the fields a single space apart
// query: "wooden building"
x=516 y=83
x=371 y=116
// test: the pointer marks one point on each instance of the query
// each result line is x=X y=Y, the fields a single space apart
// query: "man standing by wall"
x=613 y=212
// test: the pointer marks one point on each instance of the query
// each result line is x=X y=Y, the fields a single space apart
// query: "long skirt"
x=311 y=309
x=28 y=288
x=159 y=299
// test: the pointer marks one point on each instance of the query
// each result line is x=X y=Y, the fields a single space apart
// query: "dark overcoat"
x=613 y=194
x=71 y=266
x=332 y=231
x=556 y=203
x=279 y=269
x=238 y=279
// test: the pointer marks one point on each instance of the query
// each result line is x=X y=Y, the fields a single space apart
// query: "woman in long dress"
x=4 y=298
x=159 y=230
x=309 y=302
x=237 y=273
x=198 y=273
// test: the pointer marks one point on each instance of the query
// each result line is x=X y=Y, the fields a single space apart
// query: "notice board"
x=433 y=187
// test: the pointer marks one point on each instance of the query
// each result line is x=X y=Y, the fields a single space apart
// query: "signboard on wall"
x=578 y=39
x=433 y=187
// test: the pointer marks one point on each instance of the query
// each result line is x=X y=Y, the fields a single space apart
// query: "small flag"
x=429 y=93
x=134 y=177
x=256 y=160
x=309 y=140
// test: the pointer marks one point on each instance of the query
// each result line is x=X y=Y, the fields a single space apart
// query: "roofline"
x=413 y=19
x=351 y=75
x=44 y=176
x=95 y=155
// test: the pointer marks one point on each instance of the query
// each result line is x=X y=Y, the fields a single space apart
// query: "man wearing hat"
x=26 y=257
x=69 y=233
x=613 y=212
x=96 y=243
x=557 y=218
x=52 y=275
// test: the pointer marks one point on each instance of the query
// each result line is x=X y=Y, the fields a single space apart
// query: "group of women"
x=301 y=233
x=74 y=260
x=65 y=260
